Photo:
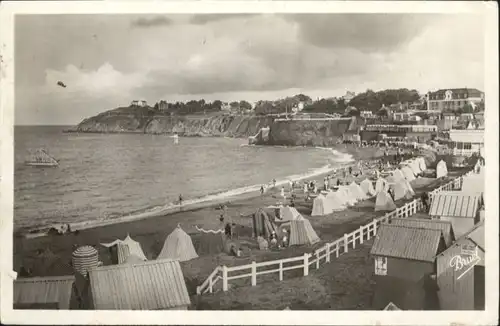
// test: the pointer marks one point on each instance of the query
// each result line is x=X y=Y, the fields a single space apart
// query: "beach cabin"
x=151 y=285
x=405 y=266
x=55 y=292
x=444 y=226
x=461 y=274
x=178 y=245
x=461 y=209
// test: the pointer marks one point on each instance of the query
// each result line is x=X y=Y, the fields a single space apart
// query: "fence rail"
x=323 y=254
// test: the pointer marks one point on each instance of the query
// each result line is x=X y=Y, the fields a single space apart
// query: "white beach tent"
x=421 y=162
x=356 y=191
x=380 y=185
x=288 y=213
x=415 y=167
x=474 y=183
x=347 y=197
x=408 y=173
x=367 y=187
x=335 y=201
x=441 y=169
x=321 y=206
x=409 y=188
x=384 y=202
x=126 y=248
x=178 y=246
x=401 y=190
x=398 y=175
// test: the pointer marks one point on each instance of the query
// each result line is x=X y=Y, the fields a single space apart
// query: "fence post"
x=328 y=252
x=317 y=259
x=337 y=249
x=346 y=244
x=306 y=264
x=375 y=229
x=281 y=271
x=254 y=273
x=224 y=278
x=361 y=229
x=198 y=291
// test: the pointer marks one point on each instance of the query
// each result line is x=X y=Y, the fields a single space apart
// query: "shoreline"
x=350 y=155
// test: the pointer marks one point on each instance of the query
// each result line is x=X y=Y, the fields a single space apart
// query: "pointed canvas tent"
x=380 y=185
x=408 y=173
x=415 y=167
x=346 y=196
x=320 y=206
x=421 y=163
x=401 y=190
x=384 y=202
x=178 y=246
x=121 y=249
x=356 y=191
x=409 y=188
x=441 y=169
x=289 y=213
x=335 y=201
x=397 y=174
x=367 y=187
x=302 y=233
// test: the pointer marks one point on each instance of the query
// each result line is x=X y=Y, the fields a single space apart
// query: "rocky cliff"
x=313 y=132
x=147 y=120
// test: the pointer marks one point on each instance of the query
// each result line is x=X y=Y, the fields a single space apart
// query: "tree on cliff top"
x=373 y=101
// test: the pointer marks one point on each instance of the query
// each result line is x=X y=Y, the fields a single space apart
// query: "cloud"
x=151 y=22
x=202 y=19
x=365 y=32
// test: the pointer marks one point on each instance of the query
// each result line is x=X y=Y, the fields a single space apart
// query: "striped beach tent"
x=302 y=233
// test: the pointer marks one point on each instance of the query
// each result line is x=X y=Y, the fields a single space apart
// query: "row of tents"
x=328 y=202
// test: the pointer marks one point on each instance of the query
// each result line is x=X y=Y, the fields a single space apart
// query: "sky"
x=107 y=61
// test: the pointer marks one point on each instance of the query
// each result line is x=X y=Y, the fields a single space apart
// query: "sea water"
x=114 y=177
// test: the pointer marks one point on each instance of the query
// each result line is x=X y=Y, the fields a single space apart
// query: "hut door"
x=381 y=266
x=479 y=287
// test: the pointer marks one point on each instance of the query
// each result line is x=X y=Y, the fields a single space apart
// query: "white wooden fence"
x=323 y=254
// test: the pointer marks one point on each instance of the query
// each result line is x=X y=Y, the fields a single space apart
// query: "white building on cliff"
x=140 y=103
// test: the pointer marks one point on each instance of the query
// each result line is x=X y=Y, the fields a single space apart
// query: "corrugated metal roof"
x=44 y=290
x=443 y=226
x=455 y=204
x=152 y=285
x=406 y=242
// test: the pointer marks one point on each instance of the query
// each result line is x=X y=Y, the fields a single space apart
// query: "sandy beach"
x=51 y=255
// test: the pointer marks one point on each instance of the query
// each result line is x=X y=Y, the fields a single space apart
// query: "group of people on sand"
x=274 y=241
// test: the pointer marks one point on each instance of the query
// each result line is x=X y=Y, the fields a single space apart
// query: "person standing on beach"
x=274 y=183
x=261 y=190
x=180 y=201
x=283 y=192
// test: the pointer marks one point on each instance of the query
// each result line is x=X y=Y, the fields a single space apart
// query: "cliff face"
x=321 y=133
x=147 y=120
x=288 y=133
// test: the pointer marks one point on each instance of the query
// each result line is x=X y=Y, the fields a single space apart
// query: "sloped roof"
x=391 y=306
x=42 y=291
x=477 y=235
x=455 y=204
x=406 y=242
x=443 y=226
x=151 y=285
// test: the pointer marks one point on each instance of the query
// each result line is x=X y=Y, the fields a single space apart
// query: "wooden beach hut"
x=460 y=208
x=405 y=262
x=54 y=292
x=151 y=285
x=444 y=226
x=178 y=245
x=463 y=287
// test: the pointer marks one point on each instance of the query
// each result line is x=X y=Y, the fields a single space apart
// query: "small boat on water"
x=42 y=158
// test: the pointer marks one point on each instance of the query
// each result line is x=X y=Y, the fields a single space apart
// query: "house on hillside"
x=405 y=266
x=463 y=287
x=453 y=99
x=140 y=103
x=348 y=96
x=366 y=114
x=461 y=209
